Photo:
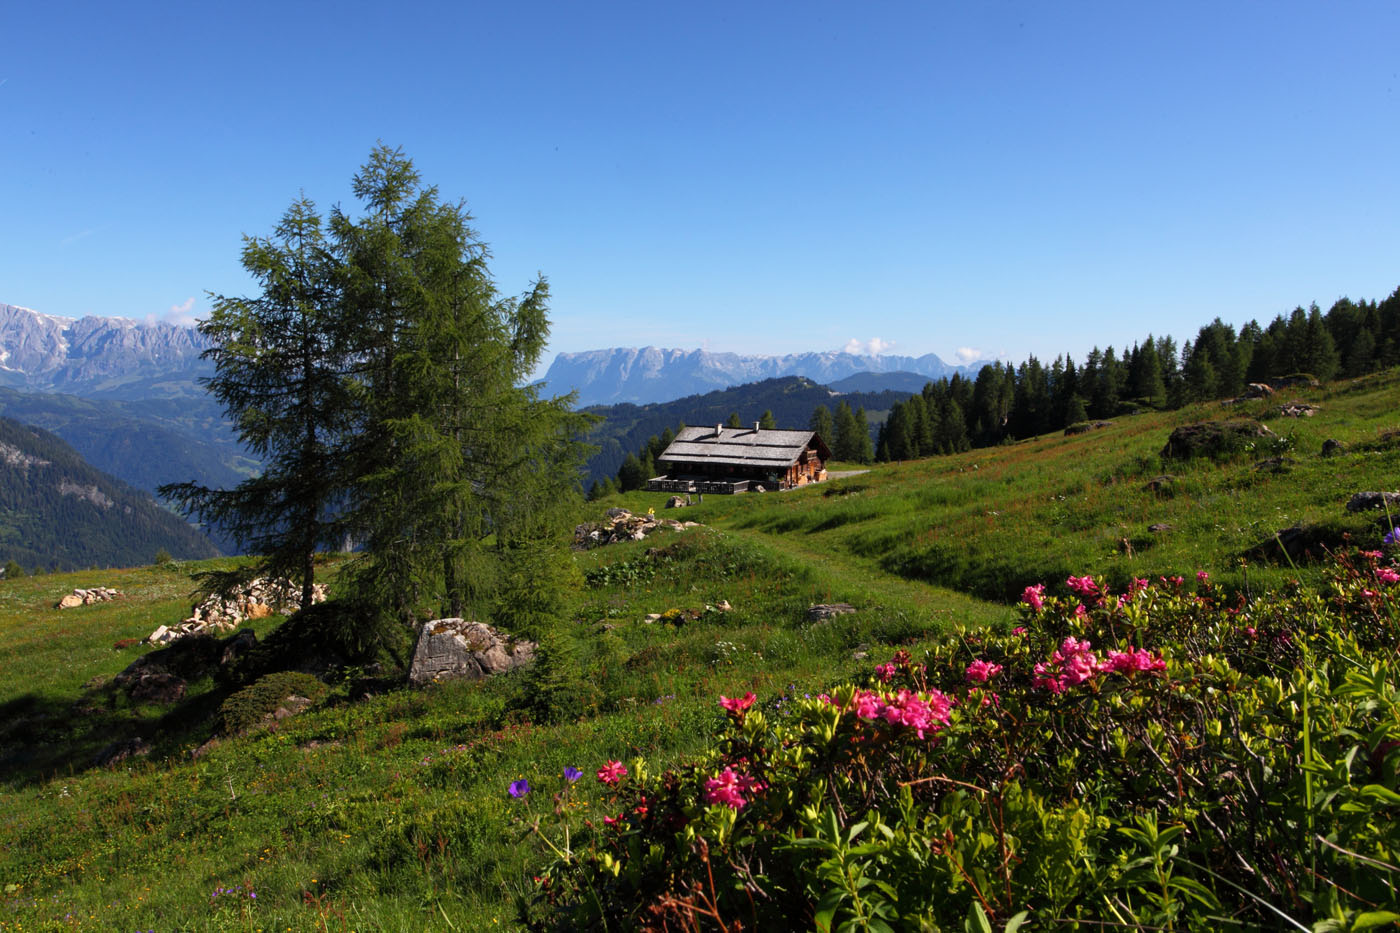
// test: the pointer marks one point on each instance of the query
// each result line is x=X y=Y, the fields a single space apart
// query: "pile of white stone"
x=218 y=613
x=622 y=525
x=80 y=597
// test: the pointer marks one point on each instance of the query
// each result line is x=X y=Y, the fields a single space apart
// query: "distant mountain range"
x=57 y=512
x=648 y=374
x=99 y=357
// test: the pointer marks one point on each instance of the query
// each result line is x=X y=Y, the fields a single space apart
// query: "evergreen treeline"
x=1006 y=402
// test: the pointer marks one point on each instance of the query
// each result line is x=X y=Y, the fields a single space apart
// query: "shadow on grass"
x=43 y=737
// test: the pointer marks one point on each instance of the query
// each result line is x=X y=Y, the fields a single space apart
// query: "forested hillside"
x=58 y=512
x=1011 y=402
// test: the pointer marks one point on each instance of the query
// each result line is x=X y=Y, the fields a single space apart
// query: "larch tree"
x=278 y=372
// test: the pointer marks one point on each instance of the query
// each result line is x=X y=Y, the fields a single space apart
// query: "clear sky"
x=980 y=178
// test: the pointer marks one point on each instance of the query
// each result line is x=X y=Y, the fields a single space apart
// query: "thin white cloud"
x=967 y=355
x=73 y=238
x=872 y=347
x=182 y=314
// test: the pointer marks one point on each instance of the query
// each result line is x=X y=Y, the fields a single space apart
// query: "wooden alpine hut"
x=732 y=460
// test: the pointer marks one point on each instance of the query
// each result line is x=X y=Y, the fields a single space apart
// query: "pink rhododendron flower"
x=1019 y=630
x=1174 y=581
x=1373 y=555
x=737 y=704
x=729 y=788
x=1072 y=664
x=1386 y=575
x=1136 y=586
x=1082 y=586
x=1127 y=662
x=1202 y=576
x=1034 y=596
x=979 y=671
x=885 y=672
x=925 y=714
x=1080 y=612
x=612 y=772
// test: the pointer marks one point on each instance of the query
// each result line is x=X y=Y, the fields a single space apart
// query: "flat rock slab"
x=824 y=611
x=1365 y=501
x=460 y=649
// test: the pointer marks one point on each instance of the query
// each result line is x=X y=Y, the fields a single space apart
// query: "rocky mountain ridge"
x=643 y=375
x=99 y=357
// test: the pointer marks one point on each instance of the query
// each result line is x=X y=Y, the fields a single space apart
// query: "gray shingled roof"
x=738 y=447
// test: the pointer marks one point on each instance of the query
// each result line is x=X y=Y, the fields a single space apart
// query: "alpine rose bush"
x=1159 y=758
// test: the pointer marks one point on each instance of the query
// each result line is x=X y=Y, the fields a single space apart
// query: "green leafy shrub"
x=1166 y=757
x=248 y=707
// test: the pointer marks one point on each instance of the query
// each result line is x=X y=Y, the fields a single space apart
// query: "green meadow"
x=386 y=808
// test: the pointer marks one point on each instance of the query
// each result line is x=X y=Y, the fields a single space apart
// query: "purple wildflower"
x=572 y=774
x=519 y=788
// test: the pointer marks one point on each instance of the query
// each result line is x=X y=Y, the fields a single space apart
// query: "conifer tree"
x=278 y=372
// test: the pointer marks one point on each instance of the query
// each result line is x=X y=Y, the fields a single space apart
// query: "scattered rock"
x=117 y=752
x=1084 y=427
x=82 y=597
x=1257 y=390
x=1298 y=543
x=157 y=686
x=824 y=611
x=1298 y=410
x=681 y=616
x=1331 y=447
x=1365 y=501
x=622 y=525
x=1274 y=465
x=677 y=502
x=1160 y=528
x=1212 y=438
x=257 y=599
x=1163 y=483
x=161 y=676
x=457 y=649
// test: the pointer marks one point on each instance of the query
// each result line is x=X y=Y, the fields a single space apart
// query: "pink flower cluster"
x=1082 y=586
x=1386 y=575
x=1072 y=664
x=979 y=671
x=737 y=705
x=612 y=772
x=1034 y=596
x=924 y=713
x=1128 y=662
x=730 y=787
x=1075 y=662
x=885 y=672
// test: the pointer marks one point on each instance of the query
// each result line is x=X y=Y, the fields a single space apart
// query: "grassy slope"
x=391 y=812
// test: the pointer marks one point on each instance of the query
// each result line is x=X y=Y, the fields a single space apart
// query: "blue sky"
x=978 y=178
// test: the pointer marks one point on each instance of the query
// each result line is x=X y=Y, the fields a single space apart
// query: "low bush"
x=250 y=706
x=1166 y=757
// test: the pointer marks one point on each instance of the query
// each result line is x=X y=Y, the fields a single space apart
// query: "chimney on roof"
x=755 y=427
x=718 y=427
